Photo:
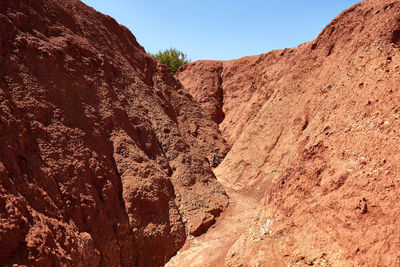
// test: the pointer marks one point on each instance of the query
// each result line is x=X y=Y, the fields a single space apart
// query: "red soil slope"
x=103 y=155
x=315 y=138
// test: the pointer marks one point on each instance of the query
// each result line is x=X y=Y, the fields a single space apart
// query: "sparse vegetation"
x=173 y=58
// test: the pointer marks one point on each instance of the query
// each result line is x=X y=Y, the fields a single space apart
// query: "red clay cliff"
x=315 y=139
x=103 y=157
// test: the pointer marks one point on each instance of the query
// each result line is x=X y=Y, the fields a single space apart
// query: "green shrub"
x=172 y=58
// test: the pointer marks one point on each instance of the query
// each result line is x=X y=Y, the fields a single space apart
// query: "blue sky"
x=222 y=29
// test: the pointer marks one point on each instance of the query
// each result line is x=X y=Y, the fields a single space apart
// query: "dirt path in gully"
x=210 y=248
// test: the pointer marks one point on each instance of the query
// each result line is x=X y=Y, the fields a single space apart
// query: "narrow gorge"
x=107 y=159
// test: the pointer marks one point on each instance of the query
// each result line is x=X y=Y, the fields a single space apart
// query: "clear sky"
x=222 y=29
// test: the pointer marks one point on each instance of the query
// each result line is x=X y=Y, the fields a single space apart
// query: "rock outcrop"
x=315 y=138
x=103 y=157
x=202 y=79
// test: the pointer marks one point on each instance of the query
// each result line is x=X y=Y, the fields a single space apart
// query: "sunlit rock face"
x=314 y=133
x=103 y=156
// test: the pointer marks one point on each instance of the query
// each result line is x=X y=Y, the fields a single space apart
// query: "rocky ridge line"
x=314 y=134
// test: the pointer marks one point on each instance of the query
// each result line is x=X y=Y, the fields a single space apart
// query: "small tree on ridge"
x=173 y=58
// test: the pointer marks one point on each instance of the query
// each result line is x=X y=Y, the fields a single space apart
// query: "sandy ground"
x=210 y=248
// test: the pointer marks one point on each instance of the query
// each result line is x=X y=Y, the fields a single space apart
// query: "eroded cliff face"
x=315 y=138
x=103 y=155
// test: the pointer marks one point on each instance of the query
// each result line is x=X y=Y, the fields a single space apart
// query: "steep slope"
x=103 y=155
x=315 y=133
x=203 y=80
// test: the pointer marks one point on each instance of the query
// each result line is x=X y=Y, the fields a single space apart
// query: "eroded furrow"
x=211 y=248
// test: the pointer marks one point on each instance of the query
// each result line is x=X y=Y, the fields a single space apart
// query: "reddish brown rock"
x=204 y=82
x=314 y=134
x=103 y=155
